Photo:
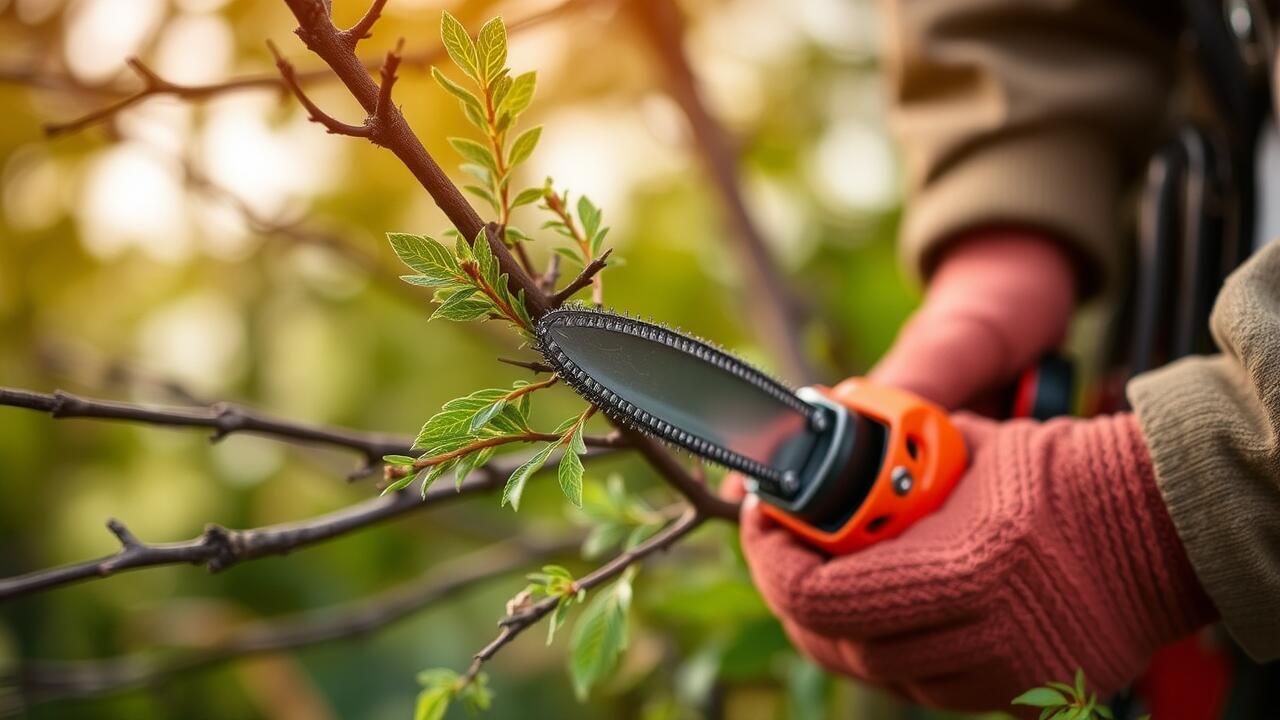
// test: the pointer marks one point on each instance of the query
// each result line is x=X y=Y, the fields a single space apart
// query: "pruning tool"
x=841 y=467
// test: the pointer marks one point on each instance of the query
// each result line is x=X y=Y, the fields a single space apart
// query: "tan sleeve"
x=1028 y=113
x=1213 y=425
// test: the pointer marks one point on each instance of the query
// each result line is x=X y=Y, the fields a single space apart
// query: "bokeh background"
x=223 y=248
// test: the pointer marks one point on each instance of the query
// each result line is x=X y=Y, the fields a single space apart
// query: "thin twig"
x=395 y=472
x=219 y=548
x=38 y=682
x=585 y=278
x=314 y=113
x=363 y=27
x=126 y=96
x=222 y=418
x=514 y=624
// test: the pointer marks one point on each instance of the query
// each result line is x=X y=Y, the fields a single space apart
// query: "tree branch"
x=362 y=29
x=771 y=302
x=219 y=548
x=126 y=97
x=585 y=278
x=514 y=624
x=223 y=418
x=38 y=682
x=314 y=113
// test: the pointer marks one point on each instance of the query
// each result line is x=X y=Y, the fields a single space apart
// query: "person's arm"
x=1213 y=425
x=1019 y=123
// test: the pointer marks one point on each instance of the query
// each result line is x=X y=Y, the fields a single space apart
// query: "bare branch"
x=314 y=113
x=514 y=624
x=771 y=302
x=223 y=418
x=126 y=97
x=585 y=278
x=219 y=548
x=38 y=682
x=362 y=29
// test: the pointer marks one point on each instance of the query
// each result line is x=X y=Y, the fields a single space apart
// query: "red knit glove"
x=998 y=301
x=1054 y=552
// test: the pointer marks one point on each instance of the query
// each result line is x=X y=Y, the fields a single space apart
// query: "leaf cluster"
x=570 y=471
x=616 y=518
x=493 y=105
x=468 y=282
x=1061 y=701
x=441 y=687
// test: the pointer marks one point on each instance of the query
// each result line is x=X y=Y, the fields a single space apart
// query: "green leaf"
x=398 y=460
x=454 y=417
x=557 y=617
x=468 y=99
x=483 y=194
x=528 y=196
x=599 y=637
x=461 y=307
x=590 y=216
x=524 y=144
x=500 y=90
x=488 y=263
x=476 y=117
x=515 y=235
x=483 y=417
x=1080 y=689
x=571 y=477
x=469 y=463
x=475 y=152
x=478 y=172
x=476 y=695
x=427 y=280
x=576 y=444
x=602 y=538
x=459 y=46
x=399 y=484
x=433 y=703
x=425 y=255
x=436 y=471
x=597 y=240
x=493 y=47
x=1040 y=697
x=1065 y=688
x=515 y=483
x=520 y=96
x=1104 y=712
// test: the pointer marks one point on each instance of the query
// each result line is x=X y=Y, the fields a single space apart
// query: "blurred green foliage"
x=88 y=301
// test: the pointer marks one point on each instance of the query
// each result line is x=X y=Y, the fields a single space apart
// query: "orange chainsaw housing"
x=921 y=440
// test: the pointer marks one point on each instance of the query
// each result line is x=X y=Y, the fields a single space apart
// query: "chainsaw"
x=841 y=467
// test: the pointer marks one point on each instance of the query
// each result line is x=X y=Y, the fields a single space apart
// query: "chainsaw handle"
x=923 y=456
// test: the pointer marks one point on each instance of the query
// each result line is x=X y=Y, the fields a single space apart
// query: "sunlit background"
x=191 y=250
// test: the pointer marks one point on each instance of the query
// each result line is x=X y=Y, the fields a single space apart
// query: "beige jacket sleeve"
x=1213 y=425
x=1029 y=113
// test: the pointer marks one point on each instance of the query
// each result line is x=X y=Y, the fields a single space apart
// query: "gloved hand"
x=1054 y=552
x=997 y=302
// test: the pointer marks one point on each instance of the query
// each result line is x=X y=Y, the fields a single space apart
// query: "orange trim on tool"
x=938 y=462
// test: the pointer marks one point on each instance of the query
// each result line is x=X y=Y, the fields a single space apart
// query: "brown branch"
x=38 y=682
x=314 y=113
x=777 y=311
x=514 y=624
x=126 y=97
x=222 y=418
x=219 y=548
x=364 y=26
x=585 y=278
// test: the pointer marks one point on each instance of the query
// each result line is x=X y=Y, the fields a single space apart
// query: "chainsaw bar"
x=683 y=390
